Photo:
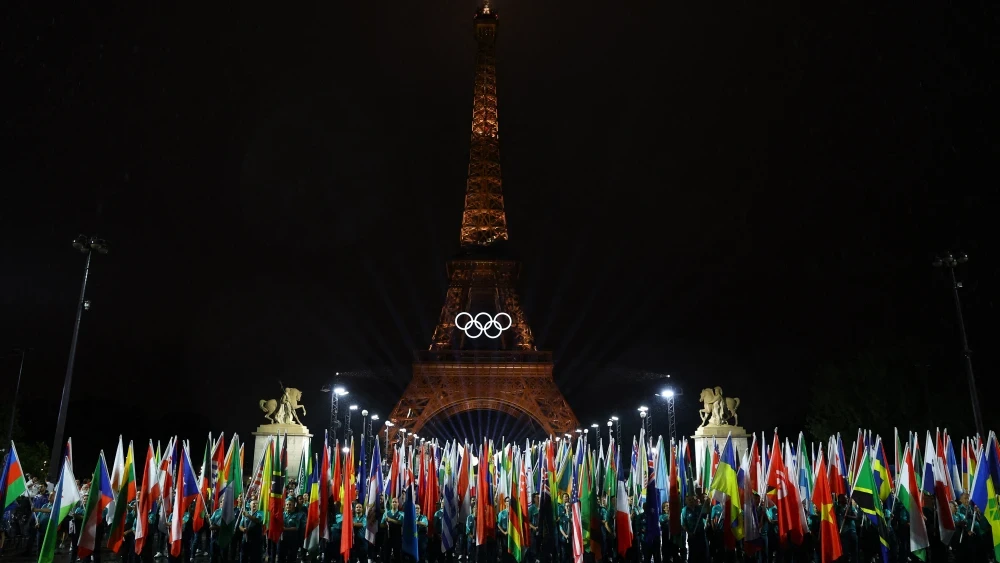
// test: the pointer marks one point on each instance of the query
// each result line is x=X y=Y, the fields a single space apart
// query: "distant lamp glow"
x=615 y=418
x=346 y=450
x=569 y=435
x=667 y=394
x=610 y=423
x=364 y=412
x=375 y=417
x=578 y=431
x=340 y=391
x=389 y=423
x=643 y=409
x=354 y=407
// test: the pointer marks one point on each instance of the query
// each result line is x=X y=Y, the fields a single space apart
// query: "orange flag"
x=829 y=537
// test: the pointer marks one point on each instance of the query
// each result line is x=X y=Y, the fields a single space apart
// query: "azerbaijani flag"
x=126 y=494
x=98 y=499
x=13 y=481
x=67 y=497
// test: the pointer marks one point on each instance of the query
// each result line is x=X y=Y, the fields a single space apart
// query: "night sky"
x=734 y=193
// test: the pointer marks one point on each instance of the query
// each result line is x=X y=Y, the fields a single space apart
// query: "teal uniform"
x=359 y=533
x=43 y=517
x=842 y=513
x=422 y=524
x=215 y=520
x=717 y=517
x=564 y=528
x=533 y=515
x=502 y=521
x=470 y=533
x=336 y=526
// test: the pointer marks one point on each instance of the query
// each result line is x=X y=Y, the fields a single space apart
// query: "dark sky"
x=730 y=192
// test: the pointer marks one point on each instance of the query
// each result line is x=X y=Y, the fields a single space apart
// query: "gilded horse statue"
x=282 y=411
x=717 y=409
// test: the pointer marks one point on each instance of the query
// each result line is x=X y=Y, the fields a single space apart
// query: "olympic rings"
x=482 y=324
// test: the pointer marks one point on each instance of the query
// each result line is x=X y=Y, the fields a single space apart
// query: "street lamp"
x=669 y=394
x=949 y=261
x=336 y=392
x=86 y=245
x=647 y=420
x=349 y=432
x=618 y=429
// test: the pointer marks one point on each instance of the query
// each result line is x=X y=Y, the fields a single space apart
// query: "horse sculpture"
x=282 y=411
x=717 y=409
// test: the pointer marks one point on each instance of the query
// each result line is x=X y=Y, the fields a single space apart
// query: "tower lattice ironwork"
x=458 y=372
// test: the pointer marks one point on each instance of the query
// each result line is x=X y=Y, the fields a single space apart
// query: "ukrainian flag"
x=725 y=483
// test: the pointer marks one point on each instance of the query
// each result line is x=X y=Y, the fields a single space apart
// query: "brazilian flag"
x=866 y=495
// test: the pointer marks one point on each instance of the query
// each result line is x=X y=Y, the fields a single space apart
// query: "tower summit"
x=482 y=355
x=483 y=221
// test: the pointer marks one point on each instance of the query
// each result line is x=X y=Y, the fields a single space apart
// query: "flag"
x=727 y=489
x=347 y=529
x=150 y=494
x=67 y=497
x=936 y=479
x=411 y=544
x=866 y=496
x=791 y=524
x=313 y=511
x=126 y=494
x=909 y=498
x=198 y=520
x=98 y=499
x=623 y=523
x=880 y=468
x=117 y=471
x=515 y=521
x=13 y=481
x=231 y=488
x=276 y=492
x=185 y=493
x=829 y=535
x=371 y=503
x=264 y=498
x=984 y=494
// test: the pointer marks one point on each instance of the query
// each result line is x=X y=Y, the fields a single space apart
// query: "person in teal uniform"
x=253 y=536
x=393 y=519
x=534 y=530
x=693 y=522
x=471 y=551
x=214 y=525
x=42 y=520
x=503 y=526
x=128 y=536
x=565 y=552
x=847 y=517
x=438 y=553
x=668 y=548
x=335 y=518
x=359 y=553
x=422 y=527
x=968 y=525
x=291 y=536
x=74 y=534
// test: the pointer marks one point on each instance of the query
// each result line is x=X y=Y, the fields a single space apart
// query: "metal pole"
x=55 y=460
x=671 y=418
x=13 y=405
x=967 y=354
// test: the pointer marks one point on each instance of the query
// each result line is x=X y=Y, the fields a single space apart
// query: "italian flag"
x=67 y=497
x=909 y=496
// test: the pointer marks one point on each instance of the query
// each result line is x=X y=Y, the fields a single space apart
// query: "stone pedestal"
x=707 y=436
x=298 y=438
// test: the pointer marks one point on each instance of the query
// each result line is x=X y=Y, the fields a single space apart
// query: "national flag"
x=13 y=481
x=150 y=494
x=324 y=489
x=186 y=492
x=276 y=493
x=838 y=469
x=411 y=543
x=984 y=490
x=98 y=499
x=791 y=520
x=218 y=472
x=371 y=503
x=727 y=489
x=937 y=480
x=126 y=494
x=829 y=535
x=347 y=529
x=313 y=536
x=231 y=488
x=623 y=523
x=515 y=521
x=66 y=498
x=117 y=473
x=880 y=470
x=198 y=520
x=866 y=496
x=909 y=497
x=305 y=472
x=804 y=471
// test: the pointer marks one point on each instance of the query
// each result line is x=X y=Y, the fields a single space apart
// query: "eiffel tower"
x=464 y=370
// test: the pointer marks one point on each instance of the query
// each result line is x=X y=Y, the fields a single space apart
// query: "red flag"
x=623 y=524
x=150 y=494
x=324 y=491
x=338 y=479
x=347 y=529
x=829 y=535
x=786 y=493
x=482 y=499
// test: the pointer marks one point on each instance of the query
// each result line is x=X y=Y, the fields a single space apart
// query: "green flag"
x=865 y=494
x=67 y=497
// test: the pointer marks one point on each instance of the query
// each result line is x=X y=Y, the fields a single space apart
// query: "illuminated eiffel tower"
x=464 y=370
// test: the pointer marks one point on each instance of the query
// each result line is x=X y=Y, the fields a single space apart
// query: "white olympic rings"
x=482 y=323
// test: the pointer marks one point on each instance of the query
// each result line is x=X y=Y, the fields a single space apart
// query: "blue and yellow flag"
x=725 y=483
x=880 y=469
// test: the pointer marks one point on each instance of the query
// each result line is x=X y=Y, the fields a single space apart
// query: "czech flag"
x=186 y=493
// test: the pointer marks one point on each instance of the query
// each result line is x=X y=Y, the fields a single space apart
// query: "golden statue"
x=282 y=411
x=717 y=409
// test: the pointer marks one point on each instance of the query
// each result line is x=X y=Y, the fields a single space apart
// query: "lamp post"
x=388 y=425
x=669 y=394
x=949 y=261
x=86 y=245
x=618 y=429
x=348 y=431
x=647 y=420
x=336 y=392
